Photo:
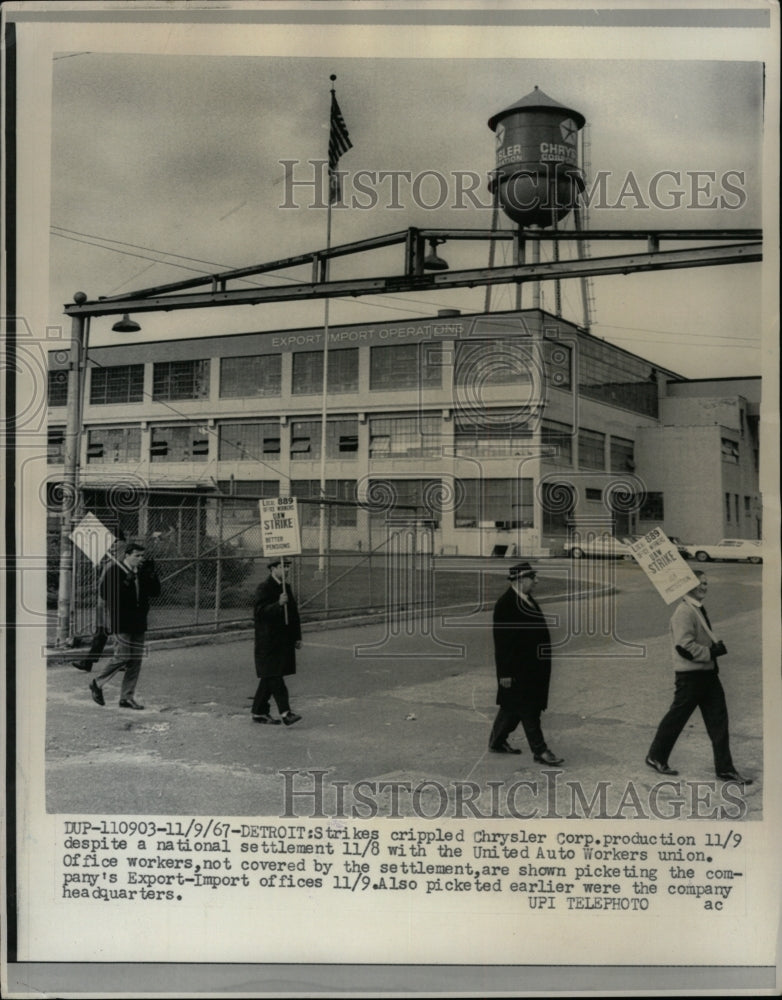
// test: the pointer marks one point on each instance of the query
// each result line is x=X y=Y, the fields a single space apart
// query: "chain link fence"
x=357 y=559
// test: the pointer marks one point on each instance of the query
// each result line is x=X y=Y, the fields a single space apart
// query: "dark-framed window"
x=622 y=454
x=113 y=444
x=730 y=451
x=416 y=497
x=341 y=438
x=404 y=366
x=55 y=445
x=249 y=440
x=505 y=503
x=612 y=376
x=116 y=384
x=557 y=438
x=179 y=443
x=493 y=431
x=251 y=375
x=180 y=380
x=307 y=377
x=57 y=394
x=414 y=436
x=652 y=507
x=342 y=514
x=591 y=449
x=495 y=361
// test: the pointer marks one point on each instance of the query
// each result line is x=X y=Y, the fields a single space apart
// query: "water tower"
x=538 y=179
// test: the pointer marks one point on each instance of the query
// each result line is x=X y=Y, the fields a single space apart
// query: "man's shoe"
x=547 y=757
x=659 y=766
x=734 y=776
x=97 y=694
x=130 y=703
x=290 y=717
x=81 y=665
x=266 y=720
x=504 y=748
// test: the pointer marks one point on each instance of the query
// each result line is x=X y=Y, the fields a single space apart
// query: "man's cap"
x=521 y=569
x=276 y=562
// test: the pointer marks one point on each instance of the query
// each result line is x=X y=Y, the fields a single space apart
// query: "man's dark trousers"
x=507 y=720
x=696 y=689
x=269 y=687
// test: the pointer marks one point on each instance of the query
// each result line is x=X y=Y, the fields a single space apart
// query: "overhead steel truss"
x=728 y=246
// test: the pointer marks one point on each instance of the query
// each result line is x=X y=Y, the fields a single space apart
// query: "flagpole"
x=324 y=389
x=339 y=143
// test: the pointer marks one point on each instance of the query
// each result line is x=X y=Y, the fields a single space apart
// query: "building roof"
x=536 y=100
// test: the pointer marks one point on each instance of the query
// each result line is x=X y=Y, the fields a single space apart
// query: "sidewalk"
x=413 y=708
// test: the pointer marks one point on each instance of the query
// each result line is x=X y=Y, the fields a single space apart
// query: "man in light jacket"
x=695 y=651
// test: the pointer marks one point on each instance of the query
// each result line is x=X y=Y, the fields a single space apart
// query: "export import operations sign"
x=659 y=558
x=280 y=527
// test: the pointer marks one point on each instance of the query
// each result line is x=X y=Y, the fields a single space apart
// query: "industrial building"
x=507 y=430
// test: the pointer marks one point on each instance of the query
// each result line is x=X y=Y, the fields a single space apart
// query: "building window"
x=736 y=506
x=730 y=451
x=248 y=442
x=558 y=501
x=413 y=497
x=558 y=438
x=594 y=494
x=117 y=384
x=340 y=514
x=493 y=432
x=747 y=506
x=308 y=371
x=415 y=436
x=179 y=443
x=341 y=439
x=558 y=364
x=501 y=503
x=58 y=388
x=591 y=449
x=55 y=446
x=253 y=375
x=612 y=376
x=265 y=488
x=622 y=455
x=404 y=366
x=651 y=507
x=113 y=444
x=727 y=507
x=499 y=362
x=180 y=380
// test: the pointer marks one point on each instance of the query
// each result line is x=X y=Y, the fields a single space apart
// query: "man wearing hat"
x=277 y=637
x=522 y=654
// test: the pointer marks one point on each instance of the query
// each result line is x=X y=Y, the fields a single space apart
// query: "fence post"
x=329 y=516
x=197 y=593
x=219 y=565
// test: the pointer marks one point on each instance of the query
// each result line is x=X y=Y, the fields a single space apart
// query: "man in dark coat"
x=127 y=589
x=522 y=653
x=277 y=637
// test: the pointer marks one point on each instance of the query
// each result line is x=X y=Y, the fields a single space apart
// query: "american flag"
x=339 y=143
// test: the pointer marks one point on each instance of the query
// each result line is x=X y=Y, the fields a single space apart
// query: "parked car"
x=599 y=548
x=683 y=547
x=729 y=548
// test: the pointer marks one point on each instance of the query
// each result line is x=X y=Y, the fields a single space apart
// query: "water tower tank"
x=537 y=168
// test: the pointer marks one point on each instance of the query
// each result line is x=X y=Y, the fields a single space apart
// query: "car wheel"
x=755 y=559
x=576 y=553
x=701 y=556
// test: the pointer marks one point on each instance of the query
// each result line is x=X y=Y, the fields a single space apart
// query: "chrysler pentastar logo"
x=568 y=130
x=500 y=134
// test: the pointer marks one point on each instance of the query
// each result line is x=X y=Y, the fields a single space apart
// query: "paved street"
x=414 y=708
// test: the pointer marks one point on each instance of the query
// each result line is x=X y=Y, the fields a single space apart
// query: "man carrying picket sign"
x=695 y=650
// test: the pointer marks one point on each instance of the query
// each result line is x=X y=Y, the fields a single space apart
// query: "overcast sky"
x=175 y=160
